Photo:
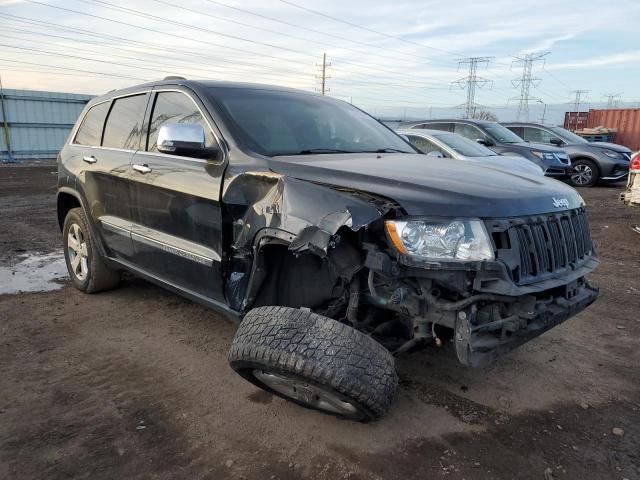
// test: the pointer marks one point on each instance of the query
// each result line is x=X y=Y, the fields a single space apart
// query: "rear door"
x=112 y=132
x=177 y=229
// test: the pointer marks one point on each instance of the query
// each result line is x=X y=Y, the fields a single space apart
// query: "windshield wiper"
x=313 y=151
x=384 y=150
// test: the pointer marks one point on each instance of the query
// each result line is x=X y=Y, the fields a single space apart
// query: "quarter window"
x=445 y=127
x=175 y=107
x=124 y=123
x=90 y=132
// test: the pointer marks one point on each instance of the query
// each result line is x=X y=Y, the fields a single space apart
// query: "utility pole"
x=611 y=99
x=5 y=124
x=471 y=82
x=544 y=110
x=525 y=81
x=323 y=74
x=576 y=102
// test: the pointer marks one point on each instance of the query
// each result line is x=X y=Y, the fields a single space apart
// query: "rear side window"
x=175 y=107
x=518 y=131
x=537 y=135
x=90 y=132
x=124 y=123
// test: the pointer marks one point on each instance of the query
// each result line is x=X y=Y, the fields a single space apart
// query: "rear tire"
x=315 y=362
x=87 y=269
x=588 y=173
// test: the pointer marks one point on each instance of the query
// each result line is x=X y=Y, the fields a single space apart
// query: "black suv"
x=553 y=161
x=323 y=234
x=594 y=162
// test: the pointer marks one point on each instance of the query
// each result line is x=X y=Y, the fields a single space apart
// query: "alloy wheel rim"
x=583 y=175
x=305 y=393
x=78 y=253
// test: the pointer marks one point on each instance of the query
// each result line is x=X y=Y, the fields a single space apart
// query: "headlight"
x=441 y=239
x=545 y=155
x=611 y=153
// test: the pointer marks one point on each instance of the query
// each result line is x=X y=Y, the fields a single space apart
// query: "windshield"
x=502 y=134
x=273 y=123
x=464 y=146
x=568 y=136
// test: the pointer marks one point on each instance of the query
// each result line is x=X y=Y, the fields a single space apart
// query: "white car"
x=631 y=195
x=439 y=144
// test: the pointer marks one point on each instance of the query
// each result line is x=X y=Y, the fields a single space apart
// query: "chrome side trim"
x=618 y=177
x=177 y=246
x=116 y=225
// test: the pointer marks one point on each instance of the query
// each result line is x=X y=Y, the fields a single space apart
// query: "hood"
x=609 y=146
x=536 y=146
x=443 y=188
x=508 y=163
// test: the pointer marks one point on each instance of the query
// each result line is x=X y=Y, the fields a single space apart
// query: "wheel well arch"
x=65 y=202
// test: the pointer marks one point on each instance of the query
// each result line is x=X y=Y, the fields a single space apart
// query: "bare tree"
x=485 y=115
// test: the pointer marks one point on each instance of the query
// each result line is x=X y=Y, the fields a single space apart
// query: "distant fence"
x=36 y=123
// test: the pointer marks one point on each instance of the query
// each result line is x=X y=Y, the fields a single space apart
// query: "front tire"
x=86 y=267
x=587 y=174
x=315 y=362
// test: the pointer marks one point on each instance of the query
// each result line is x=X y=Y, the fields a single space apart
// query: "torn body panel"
x=267 y=208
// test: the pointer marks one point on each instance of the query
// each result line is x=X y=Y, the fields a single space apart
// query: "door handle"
x=141 y=168
x=90 y=159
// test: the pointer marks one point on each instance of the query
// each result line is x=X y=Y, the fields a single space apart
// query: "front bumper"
x=631 y=194
x=618 y=173
x=480 y=344
x=559 y=171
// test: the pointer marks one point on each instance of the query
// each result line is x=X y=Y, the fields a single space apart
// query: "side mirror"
x=556 y=141
x=185 y=140
x=485 y=141
x=435 y=153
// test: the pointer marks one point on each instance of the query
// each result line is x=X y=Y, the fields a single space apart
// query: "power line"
x=371 y=30
x=470 y=83
x=579 y=94
x=611 y=99
x=525 y=82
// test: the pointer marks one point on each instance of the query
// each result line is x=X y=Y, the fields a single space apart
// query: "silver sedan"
x=439 y=144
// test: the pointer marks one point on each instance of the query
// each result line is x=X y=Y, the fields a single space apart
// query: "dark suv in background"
x=327 y=237
x=553 y=161
x=594 y=162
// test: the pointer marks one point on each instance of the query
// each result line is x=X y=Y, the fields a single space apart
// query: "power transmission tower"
x=525 y=81
x=611 y=99
x=323 y=74
x=576 y=102
x=471 y=82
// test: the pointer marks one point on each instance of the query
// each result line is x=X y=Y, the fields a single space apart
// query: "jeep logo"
x=560 y=202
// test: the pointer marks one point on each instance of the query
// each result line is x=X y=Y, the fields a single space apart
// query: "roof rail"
x=174 y=77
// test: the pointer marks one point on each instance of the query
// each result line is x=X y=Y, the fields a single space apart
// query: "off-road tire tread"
x=101 y=276
x=319 y=349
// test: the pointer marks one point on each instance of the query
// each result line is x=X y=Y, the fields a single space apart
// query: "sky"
x=396 y=59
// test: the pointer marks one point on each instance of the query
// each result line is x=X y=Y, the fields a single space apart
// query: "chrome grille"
x=543 y=246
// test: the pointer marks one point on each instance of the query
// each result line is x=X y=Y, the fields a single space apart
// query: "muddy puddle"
x=34 y=273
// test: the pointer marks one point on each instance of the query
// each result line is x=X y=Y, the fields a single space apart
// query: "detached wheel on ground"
x=86 y=268
x=315 y=362
x=587 y=173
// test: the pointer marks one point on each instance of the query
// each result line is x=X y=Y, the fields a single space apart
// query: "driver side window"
x=538 y=135
x=468 y=131
x=425 y=146
x=175 y=107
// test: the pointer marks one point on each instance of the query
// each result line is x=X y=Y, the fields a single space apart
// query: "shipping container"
x=36 y=123
x=575 y=120
x=625 y=120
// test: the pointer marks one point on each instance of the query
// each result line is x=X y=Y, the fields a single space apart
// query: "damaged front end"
x=303 y=244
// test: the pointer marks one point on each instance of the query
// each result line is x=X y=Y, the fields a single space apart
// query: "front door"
x=177 y=228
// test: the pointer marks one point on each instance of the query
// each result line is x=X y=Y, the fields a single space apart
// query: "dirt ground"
x=134 y=383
